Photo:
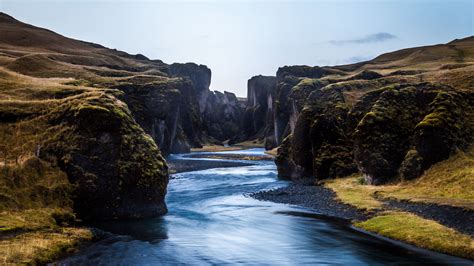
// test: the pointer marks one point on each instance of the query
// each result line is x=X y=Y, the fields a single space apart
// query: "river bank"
x=442 y=228
x=362 y=209
x=445 y=229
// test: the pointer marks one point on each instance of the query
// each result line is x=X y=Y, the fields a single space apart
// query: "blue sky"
x=240 y=39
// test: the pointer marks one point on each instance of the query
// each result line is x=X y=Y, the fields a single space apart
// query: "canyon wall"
x=258 y=117
x=220 y=113
x=375 y=117
x=104 y=118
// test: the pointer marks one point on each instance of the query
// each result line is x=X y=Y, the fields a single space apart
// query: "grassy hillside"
x=57 y=105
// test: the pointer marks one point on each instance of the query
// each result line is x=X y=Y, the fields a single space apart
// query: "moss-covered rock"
x=287 y=168
x=115 y=167
x=167 y=110
x=409 y=128
x=291 y=96
x=386 y=132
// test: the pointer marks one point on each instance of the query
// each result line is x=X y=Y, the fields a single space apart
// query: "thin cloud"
x=372 y=38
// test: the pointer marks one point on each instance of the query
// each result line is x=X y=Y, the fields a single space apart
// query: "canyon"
x=115 y=115
x=86 y=130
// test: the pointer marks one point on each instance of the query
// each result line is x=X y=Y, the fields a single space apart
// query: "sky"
x=241 y=39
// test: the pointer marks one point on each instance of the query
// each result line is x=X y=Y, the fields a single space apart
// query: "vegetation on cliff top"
x=66 y=138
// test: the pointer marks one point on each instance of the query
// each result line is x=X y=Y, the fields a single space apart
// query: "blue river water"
x=211 y=220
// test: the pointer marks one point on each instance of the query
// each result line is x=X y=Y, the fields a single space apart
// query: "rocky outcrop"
x=220 y=113
x=332 y=122
x=222 y=116
x=167 y=110
x=200 y=75
x=258 y=118
x=294 y=85
x=409 y=128
x=108 y=116
x=386 y=134
x=116 y=168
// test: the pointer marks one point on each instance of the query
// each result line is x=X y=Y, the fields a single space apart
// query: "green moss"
x=420 y=232
x=444 y=112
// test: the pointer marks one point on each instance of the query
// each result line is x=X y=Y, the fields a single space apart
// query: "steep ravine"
x=101 y=121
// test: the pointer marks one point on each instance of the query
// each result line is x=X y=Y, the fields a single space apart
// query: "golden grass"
x=420 y=232
x=33 y=184
x=237 y=157
x=450 y=182
x=350 y=191
x=31 y=219
x=42 y=246
x=236 y=147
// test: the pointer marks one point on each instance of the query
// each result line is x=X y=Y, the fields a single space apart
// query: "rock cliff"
x=115 y=166
x=258 y=117
x=107 y=116
x=375 y=117
x=220 y=113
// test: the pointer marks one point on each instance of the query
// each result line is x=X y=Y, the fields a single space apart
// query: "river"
x=211 y=220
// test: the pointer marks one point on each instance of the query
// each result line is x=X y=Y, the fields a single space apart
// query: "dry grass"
x=236 y=147
x=351 y=191
x=420 y=232
x=450 y=182
x=51 y=189
x=42 y=246
x=236 y=157
x=26 y=220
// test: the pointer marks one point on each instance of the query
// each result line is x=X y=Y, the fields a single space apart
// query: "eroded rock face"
x=222 y=116
x=107 y=114
x=320 y=144
x=258 y=118
x=220 y=113
x=167 y=110
x=200 y=75
x=409 y=128
x=396 y=131
x=294 y=85
x=115 y=167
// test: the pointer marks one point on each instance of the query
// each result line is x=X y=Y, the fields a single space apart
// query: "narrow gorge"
x=90 y=134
